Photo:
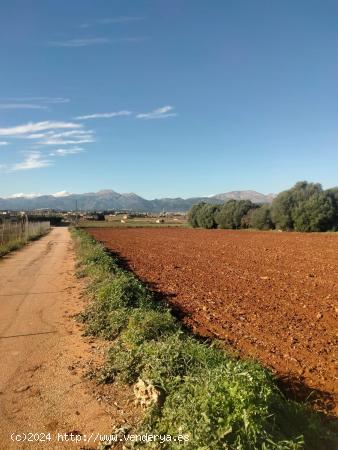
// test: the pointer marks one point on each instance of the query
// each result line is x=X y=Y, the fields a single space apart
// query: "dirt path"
x=43 y=355
x=271 y=296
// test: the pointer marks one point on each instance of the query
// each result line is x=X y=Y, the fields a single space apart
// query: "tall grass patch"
x=12 y=237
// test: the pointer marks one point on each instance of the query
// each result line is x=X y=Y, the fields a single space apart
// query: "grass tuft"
x=147 y=324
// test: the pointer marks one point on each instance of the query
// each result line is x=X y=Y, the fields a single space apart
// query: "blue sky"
x=167 y=98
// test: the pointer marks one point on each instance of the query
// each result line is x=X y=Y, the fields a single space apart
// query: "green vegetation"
x=233 y=212
x=218 y=400
x=305 y=207
x=261 y=218
x=136 y=222
x=203 y=215
x=13 y=240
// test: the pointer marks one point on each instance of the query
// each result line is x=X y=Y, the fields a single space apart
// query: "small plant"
x=147 y=324
x=113 y=300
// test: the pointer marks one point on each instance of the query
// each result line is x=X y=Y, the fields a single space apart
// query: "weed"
x=147 y=324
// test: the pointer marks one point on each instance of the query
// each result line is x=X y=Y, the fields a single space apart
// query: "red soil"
x=271 y=296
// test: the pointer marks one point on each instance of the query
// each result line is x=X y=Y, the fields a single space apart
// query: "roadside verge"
x=17 y=243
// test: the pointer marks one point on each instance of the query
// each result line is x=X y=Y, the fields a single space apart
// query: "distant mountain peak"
x=105 y=191
x=107 y=199
x=254 y=196
x=130 y=194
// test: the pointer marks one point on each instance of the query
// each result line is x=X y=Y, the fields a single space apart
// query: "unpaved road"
x=43 y=356
x=271 y=296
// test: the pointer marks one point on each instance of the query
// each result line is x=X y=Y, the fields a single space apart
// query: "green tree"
x=333 y=194
x=246 y=219
x=313 y=214
x=232 y=212
x=193 y=214
x=305 y=207
x=281 y=211
x=206 y=216
x=261 y=218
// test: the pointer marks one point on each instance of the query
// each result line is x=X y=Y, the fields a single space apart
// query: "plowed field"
x=271 y=296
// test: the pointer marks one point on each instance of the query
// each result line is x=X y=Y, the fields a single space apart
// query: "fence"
x=21 y=230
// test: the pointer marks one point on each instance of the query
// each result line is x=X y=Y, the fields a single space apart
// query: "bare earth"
x=271 y=296
x=43 y=355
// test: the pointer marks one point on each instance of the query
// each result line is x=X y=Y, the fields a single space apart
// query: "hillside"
x=111 y=200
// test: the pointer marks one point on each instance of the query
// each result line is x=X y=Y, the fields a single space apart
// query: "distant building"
x=110 y=217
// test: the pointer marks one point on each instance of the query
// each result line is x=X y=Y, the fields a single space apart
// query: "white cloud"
x=27 y=103
x=36 y=135
x=58 y=141
x=61 y=194
x=22 y=195
x=34 y=195
x=77 y=133
x=40 y=99
x=54 y=138
x=67 y=151
x=37 y=126
x=3 y=143
x=85 y=42
x=113 y=20
x=120 y=19
x=104 y=115
x=80 y=42
x=159 y=113
x=21 y=106
x=33 y=160
x=70 y=137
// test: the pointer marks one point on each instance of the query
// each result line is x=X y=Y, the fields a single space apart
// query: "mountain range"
x=111 y=200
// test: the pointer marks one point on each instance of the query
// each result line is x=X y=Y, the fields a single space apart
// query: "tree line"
x=305 y=207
